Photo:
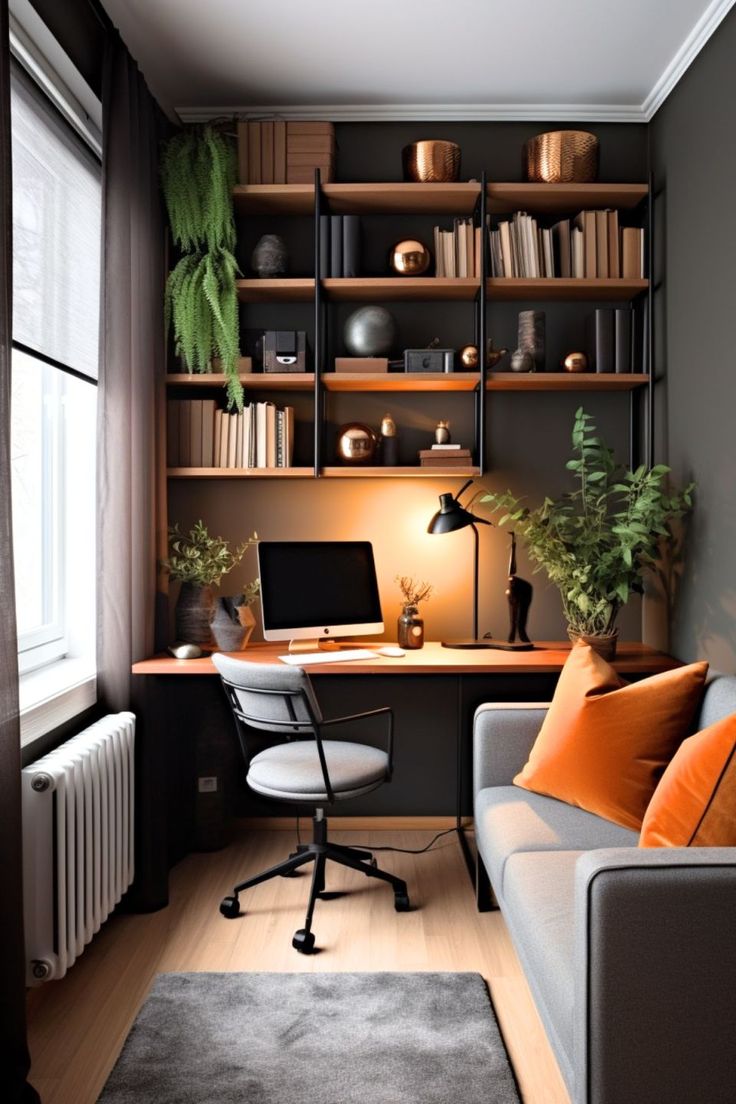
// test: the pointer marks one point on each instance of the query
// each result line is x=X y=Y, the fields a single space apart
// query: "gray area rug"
x=384 y=1038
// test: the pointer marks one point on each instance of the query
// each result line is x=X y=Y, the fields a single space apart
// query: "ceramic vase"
x=232 y=624
x=192 y=614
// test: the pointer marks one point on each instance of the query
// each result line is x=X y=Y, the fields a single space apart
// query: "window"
x=56 y=281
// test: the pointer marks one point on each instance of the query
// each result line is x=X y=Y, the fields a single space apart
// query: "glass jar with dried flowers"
x=410 y=624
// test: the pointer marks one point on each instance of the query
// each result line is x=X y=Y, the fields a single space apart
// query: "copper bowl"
x=431 y=161
x=562 y=157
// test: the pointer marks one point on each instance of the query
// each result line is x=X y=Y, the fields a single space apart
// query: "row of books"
x=457 y=251
x=274 y=151
x=616 y=340
x=339 y=245
x=591 y=245
x=199 y=435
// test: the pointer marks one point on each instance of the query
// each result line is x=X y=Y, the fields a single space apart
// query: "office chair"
x=307 y=769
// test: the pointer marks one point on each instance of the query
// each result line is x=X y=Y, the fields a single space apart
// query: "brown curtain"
x=131 y=480
x=13 y=1047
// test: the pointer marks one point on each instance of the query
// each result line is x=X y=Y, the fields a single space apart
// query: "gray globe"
x=370 y=331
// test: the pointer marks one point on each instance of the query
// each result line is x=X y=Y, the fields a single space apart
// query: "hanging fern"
x=201 y=304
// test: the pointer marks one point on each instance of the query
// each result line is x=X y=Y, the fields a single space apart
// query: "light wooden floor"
x=77 y=1025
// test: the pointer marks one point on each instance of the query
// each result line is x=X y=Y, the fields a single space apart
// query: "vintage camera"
x=429 y=360
x=284 y=351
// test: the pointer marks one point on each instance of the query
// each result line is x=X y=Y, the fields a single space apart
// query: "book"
x=232 y=440
x=324 y=246
x=222 y=456
x=267 y=152
x=260 y=435
x=585 y=221
x=172 y=433
x=279 y=151
x=561 y=248
x=632 y=253
x=238 y=451
x=254 y=153
x=336 y=246
x=270 y=435
x=208 y=431
x=601 y=244
x=250 y=436
x=506 y=249
x=477 y=252
x=217 y=443
x=195 y=433
x=288 y=436
x=185 y=418
x=243 y=152
x=439 y=262
x=601 y=340
x=280 y=439
x=445 y=452
x=622 y=338
x=577 y=256
x=614 y=258
x=351 y=245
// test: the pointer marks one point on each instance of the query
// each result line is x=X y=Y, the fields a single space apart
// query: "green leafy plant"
x=251 y=592
x=198 y=558
x=201 y=305
x=596 y=542
x=413 y=593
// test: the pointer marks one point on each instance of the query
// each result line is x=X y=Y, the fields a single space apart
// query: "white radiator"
x=77 y=842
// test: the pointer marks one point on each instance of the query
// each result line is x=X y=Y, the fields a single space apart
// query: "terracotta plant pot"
x=231 y=624
x=604 y=644
x=192 y=614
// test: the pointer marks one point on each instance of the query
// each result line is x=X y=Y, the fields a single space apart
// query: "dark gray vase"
x=231 y=624
x=193 y=613
x=270 y=257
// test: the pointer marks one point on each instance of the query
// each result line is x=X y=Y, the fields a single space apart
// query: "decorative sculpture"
x=519 y=595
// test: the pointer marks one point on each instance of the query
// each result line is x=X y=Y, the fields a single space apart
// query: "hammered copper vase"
x=562 y=157
x=431 y=161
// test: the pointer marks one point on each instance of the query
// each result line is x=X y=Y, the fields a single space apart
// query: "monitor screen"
x=318 y=588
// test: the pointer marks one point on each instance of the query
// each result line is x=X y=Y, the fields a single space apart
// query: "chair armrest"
x=655 y=975
x=385 y=711
x=503 y=736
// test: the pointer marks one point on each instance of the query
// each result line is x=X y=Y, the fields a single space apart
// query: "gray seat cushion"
x=292 y=771
x=539 y=902
x=509 y=820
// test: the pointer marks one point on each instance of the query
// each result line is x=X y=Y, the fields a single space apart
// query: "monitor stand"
x=315 y=644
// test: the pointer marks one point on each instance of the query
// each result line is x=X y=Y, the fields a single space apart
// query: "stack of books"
x=339 y=245
x=612 y=340
x=274 y=151
x=201 y=436
x=457 y=251
x=590 y=245
x=445 y=456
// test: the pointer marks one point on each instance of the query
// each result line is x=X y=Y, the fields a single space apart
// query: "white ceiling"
x=414 y=59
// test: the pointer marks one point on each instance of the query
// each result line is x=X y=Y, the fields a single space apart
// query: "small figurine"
x=442 y=433
x=389 y=442
x=519 y=594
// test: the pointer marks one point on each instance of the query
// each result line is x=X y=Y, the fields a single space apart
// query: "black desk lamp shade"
x=450 y=517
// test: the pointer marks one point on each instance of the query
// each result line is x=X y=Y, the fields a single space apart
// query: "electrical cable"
x=398 y=850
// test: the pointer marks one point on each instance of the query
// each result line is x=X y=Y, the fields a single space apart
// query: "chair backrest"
x=270 y=697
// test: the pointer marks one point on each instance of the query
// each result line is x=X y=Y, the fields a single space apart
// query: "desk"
x=185 y=733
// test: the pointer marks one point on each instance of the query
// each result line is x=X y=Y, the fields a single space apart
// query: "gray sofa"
x=630 y=953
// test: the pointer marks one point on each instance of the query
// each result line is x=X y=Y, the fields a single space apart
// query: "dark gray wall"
x=694 y=159
x=528 y=434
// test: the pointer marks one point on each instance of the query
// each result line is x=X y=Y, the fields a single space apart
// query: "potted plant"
x=199 y=562
x=233 y=621
x=410 y=624
x=596 y=542
x=201 y=304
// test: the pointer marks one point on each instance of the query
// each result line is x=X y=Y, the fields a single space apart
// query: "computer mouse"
x=181 y=650
x=394 y=653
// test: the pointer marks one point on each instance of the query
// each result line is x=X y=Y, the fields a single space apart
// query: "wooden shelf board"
x=400 y=381
x=506 y=289
x=251 y=381
x=397 y=288
x=564 y=381
x=298 y=290
x=366 y=199
x=239 y=473
x=273 y=199
x=365 y=472
x=562 y=198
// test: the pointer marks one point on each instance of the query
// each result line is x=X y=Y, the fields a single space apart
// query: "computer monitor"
x=312 y=590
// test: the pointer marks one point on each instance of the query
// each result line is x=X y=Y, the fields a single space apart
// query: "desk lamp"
x=450 y=517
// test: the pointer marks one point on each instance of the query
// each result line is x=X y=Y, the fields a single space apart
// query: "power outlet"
x=207 y=785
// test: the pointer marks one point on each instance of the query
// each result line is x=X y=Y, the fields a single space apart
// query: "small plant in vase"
x=410 y=624
x=199 y=562
x=597 y=542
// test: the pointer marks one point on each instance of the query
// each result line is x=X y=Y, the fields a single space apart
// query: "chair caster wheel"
x=401 y=902
x=303 y=941
x=230 y=907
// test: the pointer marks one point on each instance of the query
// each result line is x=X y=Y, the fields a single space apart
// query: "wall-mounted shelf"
x=400 y=381
x=366 y=472
x=239 y=473
x=251 y=381
x=333 y=472
x=507 y=289
x=358 y=199
x=298 y=290
x=561 y=199
x=398 y=288
x=565 y=381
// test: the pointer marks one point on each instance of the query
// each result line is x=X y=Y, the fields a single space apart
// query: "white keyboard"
x=300 y=659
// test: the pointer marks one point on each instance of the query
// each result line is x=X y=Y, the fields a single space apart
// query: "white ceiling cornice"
x=474 y=112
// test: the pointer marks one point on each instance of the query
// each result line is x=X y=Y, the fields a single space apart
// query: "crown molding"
x=683 y=59
x=460 y=113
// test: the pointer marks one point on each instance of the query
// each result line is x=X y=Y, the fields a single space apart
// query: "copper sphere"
x=469 y=356
x=575 y=362
x=431 y=161
x=410 y=258
x=356 y=443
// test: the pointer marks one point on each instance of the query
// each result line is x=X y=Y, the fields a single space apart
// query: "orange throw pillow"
x=695 y=803
x=605 y=743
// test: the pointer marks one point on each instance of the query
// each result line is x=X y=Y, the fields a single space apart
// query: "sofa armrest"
x=655 y=975
x=503 y=736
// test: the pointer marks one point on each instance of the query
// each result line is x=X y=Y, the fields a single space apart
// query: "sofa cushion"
x=694 y=805
x=539 y=905
x=604 y=743
x=509 y=820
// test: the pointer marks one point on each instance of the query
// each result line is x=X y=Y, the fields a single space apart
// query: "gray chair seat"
x=292 y=771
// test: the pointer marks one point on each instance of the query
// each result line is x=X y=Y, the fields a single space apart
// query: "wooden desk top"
x=547 y=658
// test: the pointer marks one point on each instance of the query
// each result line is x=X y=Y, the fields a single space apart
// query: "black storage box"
x=284 y=351
x=429 y=360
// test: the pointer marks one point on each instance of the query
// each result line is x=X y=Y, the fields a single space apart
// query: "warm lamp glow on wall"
x=451 y=517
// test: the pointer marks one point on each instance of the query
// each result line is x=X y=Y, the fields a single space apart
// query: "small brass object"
x=356 y=443
x=469 y=356
x=388 y=426
x=442 y=433
x=493 y=356
x=575 y=362
x=410 y=258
